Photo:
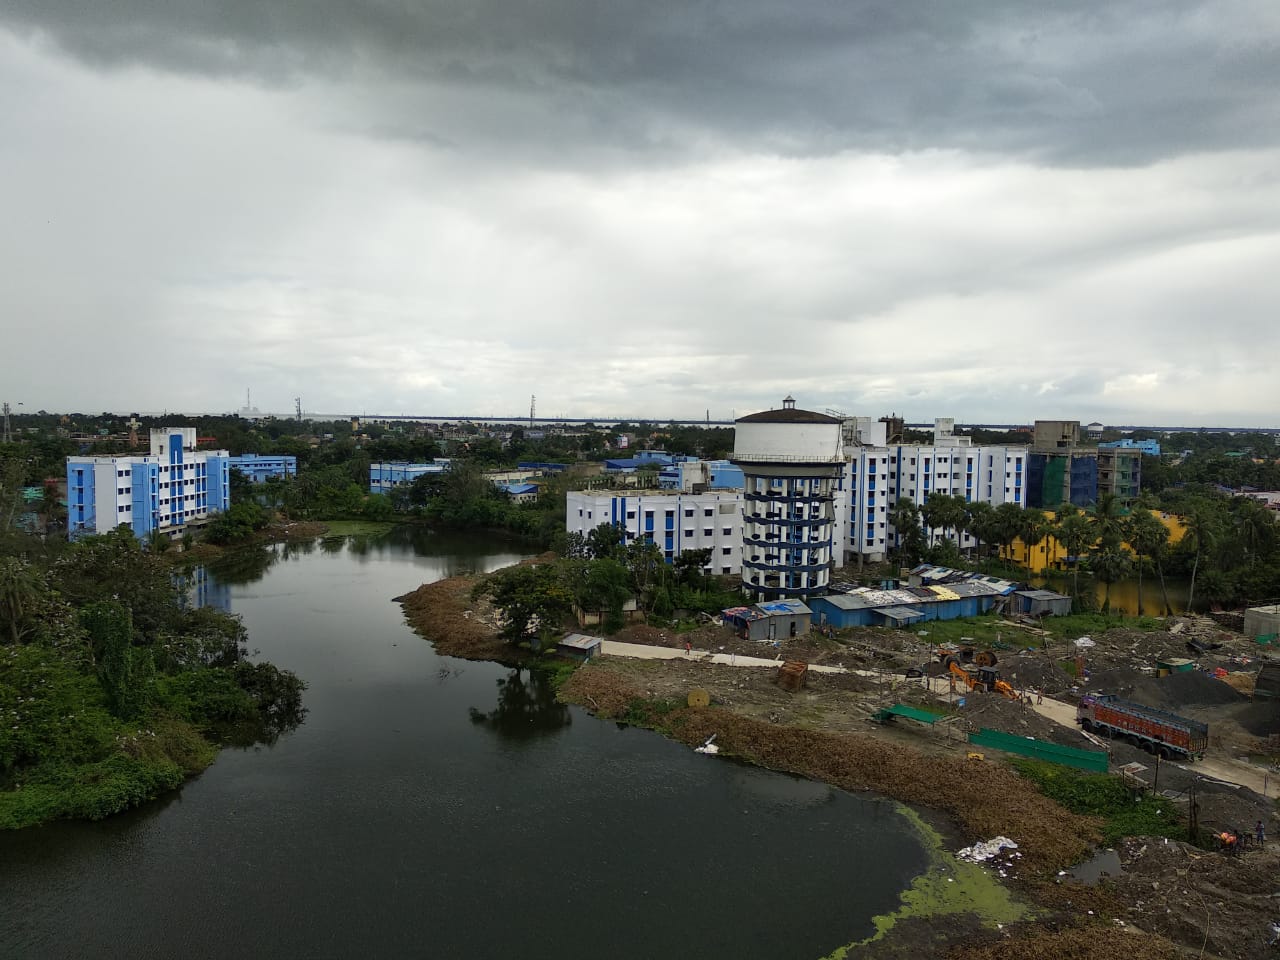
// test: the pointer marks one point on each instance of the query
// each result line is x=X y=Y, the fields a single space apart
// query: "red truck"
x=1156 y=731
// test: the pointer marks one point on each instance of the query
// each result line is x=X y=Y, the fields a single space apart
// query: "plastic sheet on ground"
x=984 y=850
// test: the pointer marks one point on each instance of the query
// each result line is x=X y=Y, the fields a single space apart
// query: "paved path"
x=644 y=651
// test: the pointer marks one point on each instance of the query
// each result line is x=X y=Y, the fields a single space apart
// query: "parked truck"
x=1156 y=731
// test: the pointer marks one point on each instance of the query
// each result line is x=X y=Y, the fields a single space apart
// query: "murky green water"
x=436 y=807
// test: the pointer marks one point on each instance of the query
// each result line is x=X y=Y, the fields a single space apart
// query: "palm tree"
x=1200 y=535
x=1008 y=520
x=1109 y=564
x=1032 y=529
x=905 y=519
x=1148 y=537
x=1255 y=526
x=1108 y=519
x=977 y=518
x=1077 y=536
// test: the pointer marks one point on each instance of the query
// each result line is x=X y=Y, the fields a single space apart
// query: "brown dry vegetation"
x=985 y=799
x=1090 y=942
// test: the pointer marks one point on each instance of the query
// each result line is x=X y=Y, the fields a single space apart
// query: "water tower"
x=791 y=460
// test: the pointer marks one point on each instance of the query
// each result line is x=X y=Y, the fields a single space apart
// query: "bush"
x=1106 y=797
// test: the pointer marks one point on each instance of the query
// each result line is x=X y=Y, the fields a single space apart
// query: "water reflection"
x=244 y=565
x=527 y=707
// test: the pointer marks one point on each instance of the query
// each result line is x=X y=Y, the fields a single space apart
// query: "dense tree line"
x=111 y=687
x=1229 y=552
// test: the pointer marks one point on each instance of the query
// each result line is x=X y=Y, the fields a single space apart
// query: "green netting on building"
x=1051 y=489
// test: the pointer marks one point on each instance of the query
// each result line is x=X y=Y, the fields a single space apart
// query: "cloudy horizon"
x=661 y=210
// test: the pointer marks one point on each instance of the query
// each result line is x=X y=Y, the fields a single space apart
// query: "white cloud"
x=175 y=240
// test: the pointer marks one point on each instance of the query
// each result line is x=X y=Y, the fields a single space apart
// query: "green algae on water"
x=947 y=887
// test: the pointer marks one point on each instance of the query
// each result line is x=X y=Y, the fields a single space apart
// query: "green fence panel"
x=1095 y=760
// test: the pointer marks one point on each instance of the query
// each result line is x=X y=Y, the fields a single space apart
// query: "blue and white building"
x=168 y=491
x=1149 y=448
x=258 y=468
x=879 y=474
x=673 y=520
x=385 y=476
x=690 y=473
x=792 y=462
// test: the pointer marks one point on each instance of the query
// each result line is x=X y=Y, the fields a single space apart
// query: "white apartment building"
x=878 y=475
x=673 y=520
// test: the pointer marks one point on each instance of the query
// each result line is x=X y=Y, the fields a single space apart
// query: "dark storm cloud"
x=1086 y=83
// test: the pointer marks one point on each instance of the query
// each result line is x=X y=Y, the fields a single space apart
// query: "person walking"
x=1260 y=832
x=688 y=648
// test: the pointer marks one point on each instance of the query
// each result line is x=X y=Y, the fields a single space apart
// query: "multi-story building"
x=258 y=468
x=792 y=461
x=1149 y=447
x=1120 y=472
x=1060 y=470
x=690 y=473
x=673 y=520
x=385 y=476
x=168 y=491
x=878 y=475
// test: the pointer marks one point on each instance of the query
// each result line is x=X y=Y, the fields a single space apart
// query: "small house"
x=765 y=622
x=579 y=646
x=1041 y=603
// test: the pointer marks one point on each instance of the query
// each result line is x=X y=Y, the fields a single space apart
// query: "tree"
x=20 y=585
x=1255 y=526
x=1109 y=564
x=1200 y=535
x=604 y=541
x=603 y=586
x=905 y=517
x=1108 y=520
x=1077 y=536
x=977 y=520
x=1148 y=538
x=1006 y=522
x=526 y=595
x=1032 y=529
x=125 y=672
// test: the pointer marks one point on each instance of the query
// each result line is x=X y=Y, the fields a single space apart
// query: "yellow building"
x=1050 y=554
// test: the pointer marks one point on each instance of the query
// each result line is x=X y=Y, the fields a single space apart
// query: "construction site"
x=1185 y=713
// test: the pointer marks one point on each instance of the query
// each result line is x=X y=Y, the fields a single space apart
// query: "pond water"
x=1124 y=594
x=436 y=807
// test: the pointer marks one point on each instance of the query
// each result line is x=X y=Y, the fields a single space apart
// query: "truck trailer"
x=1156 y=731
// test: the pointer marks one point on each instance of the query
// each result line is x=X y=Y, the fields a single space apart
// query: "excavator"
x=981 y=675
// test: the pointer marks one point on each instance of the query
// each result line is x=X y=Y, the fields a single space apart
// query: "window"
x=631 y=514
x=708 y=531
x=726 y=570
x=688 y=534
x=727 y=531
x=726 y=550
x=708 y=512
x=688 y=513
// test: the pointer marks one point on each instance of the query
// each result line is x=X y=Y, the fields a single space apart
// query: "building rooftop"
x=787 y=415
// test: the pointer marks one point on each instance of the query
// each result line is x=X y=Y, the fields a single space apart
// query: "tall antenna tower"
x=297 y=407
x=533 y=408
x=8 y=430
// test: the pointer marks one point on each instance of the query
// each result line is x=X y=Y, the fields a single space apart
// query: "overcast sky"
x=995 y=211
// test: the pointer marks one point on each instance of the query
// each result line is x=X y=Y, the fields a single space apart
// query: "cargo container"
x=1156 y=731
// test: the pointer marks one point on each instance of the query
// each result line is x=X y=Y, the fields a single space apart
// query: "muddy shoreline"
x=962 y=800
